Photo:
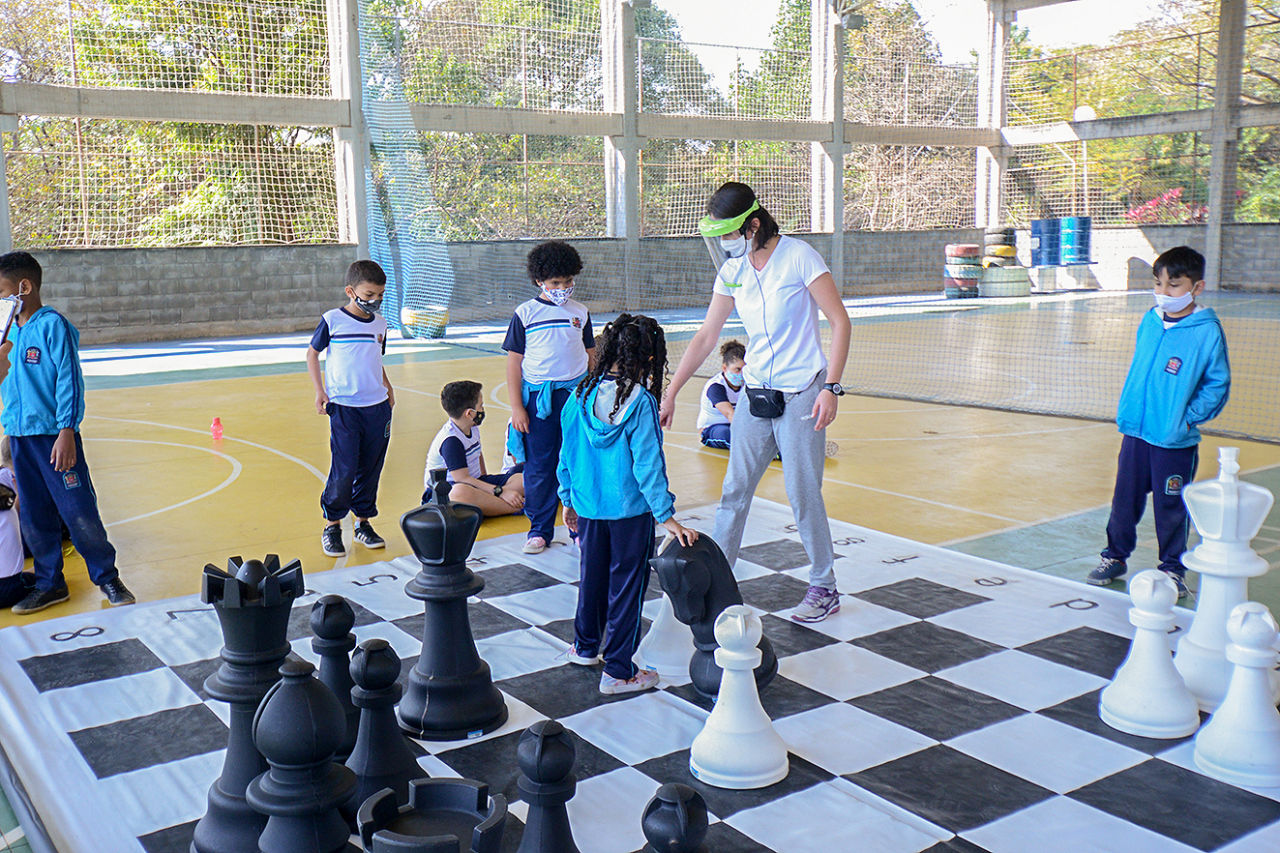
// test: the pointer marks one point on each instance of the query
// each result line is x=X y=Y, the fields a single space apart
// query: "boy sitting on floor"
x=456 y=448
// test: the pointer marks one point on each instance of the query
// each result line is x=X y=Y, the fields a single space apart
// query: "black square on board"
x=1083 y=648
x=926 y=646
x=152 y=739
x=512 y=578
x=920 y=598
x=947 y=787
x=773 y=592
x=494 y=761
x=779 y=555
x=781 y=698
x=561 y=691
x=561 y=629
x=1180 y=804
x=1082 y=713
x=936 y=707
x=486 y=621
x=955 y=845
x=171 y=839
x=721 y=802
x=92 y=663
x=193 y=674
x=723 y=838
x=792 y=638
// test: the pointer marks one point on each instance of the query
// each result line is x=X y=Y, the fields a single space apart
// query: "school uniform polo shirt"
x=553 y=339
x=784 y=350
x=717 y=390
x=451 y=450
x=353 y=365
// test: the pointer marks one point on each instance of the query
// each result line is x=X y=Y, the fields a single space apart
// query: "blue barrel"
x=1044 y=242
x=1074 y=237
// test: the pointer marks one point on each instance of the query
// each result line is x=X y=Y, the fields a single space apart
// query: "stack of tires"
x=1001 y=273
x=963 y=270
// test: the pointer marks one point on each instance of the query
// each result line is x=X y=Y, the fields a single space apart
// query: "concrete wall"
x=127 y=295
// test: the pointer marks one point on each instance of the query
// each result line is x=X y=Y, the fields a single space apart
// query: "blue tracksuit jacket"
x=1179 y=379
x=613 y=471
x=44 y=391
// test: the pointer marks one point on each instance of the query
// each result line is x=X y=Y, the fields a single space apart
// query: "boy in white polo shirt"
x=456 y=449
x=549 y=345
x=357 y=396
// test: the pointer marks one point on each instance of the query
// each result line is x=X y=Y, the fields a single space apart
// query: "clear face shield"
x=714 y=230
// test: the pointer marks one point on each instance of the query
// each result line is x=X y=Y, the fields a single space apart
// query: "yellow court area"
x=174 y=499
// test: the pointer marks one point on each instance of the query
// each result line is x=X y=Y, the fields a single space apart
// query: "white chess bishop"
x=1147 y=697
x=738 y=747
x=1228 y=514
x=1241 y=742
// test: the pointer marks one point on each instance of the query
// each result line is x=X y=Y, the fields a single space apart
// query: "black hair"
x=20 y=265
x=632 y=348
x=362 y=271
x=552 y=259
x=732 y=199
x=457 y=397
x=1180 y=261
x=733 y=350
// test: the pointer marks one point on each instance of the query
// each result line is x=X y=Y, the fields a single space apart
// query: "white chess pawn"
x=1147 y=697
x=668 y=644
x=1228 y=514
x=1241 y=742
x=738 y=747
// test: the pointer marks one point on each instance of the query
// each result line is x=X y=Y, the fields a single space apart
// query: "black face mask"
x=479 y=418
x=369 y=306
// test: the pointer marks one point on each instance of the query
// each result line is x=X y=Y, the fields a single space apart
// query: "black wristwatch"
x=497 y=491
x=834 y=387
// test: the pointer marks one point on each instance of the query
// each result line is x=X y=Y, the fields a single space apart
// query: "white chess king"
x=1228 y=514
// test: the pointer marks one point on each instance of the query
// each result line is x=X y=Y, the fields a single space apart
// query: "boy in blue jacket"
x=1178 y=380
x=613 y=484
x=43 y=407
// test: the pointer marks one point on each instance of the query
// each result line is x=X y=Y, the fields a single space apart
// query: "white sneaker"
x=571 y=655
x=534 y=545
x=645 y=679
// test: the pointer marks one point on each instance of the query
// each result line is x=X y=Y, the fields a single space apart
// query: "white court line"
x=339 y=562
x=236 y=467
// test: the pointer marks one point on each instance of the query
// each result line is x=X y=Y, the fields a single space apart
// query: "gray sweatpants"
x=753 y=442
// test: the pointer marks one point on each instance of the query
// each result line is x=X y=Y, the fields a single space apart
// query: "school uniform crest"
x=32 y=355
x=1173 y=366
x=577 y=323
x=1173 y=485
x=71 y=480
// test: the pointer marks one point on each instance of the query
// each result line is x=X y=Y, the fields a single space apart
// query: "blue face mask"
x=734 y=378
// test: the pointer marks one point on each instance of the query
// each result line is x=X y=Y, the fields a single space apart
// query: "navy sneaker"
x=1180 y=581
x=1108 y=570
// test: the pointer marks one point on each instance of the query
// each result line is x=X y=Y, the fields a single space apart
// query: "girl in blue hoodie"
x=613 y=484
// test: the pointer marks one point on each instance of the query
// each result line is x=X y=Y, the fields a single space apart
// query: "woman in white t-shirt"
x=778 y=284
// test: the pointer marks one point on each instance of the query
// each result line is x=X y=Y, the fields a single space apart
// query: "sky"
x=958 y=24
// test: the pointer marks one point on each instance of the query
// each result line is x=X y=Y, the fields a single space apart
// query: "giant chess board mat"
x=950 y=705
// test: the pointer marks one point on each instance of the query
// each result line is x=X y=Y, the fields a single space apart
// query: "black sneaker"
x=117 y=593
x=39 y=599
x=331 y=541
x=367 y=537
x=1109 y=569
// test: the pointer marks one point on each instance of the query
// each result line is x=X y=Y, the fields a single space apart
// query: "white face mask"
x=558 y=295
x=1173 y=304
x=735 y=248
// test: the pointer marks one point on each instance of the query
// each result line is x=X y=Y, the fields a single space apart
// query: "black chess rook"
x=252 y=599
x=443 y=816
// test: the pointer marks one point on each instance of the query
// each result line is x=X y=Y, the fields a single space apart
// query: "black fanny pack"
x=765 y=402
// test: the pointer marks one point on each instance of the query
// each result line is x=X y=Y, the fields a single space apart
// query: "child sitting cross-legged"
x=456 y=448
x=613 y=484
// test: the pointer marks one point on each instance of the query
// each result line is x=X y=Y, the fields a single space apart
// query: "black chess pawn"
x=450 y=693
x=443 y=816
x=675 y=821
x=381 y=757
x=545 y=755
x=253 y=599
x=331 y=622
x=297 y=728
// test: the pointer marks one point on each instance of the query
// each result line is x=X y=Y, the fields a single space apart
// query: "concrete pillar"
x=622 y=153
x=350 y=143
x=826 y=104
x=8 y=124
x=1224 y=133
x=992 y=113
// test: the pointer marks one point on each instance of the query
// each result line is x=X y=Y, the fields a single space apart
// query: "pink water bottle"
x=215 y=429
